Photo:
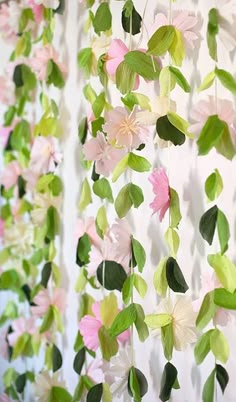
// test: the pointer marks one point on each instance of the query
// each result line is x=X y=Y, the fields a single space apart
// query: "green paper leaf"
x=167 y=81
x=21 y=383
x=85 y=196
x=202 y=347
x=136 y=195
x=155 y=321
x=138 y=254
x=140 y=285
x=101 y=221
x=56 y=358
x=99 y=104
x=209 y=388
x=210 y=135
x=137 y=384
x=168 y=380
x=52 y=223
x=177 y=50
x=222 y=377
x=109 y=346
x=120 y=168
x=225 y=299
x=83 y=130
x=225 y=145
x=174 y=276
x=127 y=289
x=95 y=393
x=23 y=76
x=20 y=345
x=10 y=280
x=58 y=394
x=172 y=239
x=167 y=339
x=54 y=75
x=226 y=79
x=124 y=320
x=161 y=40
x=223 y=231
x=132 y=22
x=85 y=60
x=47 y=320
x=214 y=185
x=108 y=310
x=125 y=77
x=140 y=324
x=123 y=202
x=102 y=189
x=207 y=224
x=45 y=274
x=208 y=81
x=219 y=346
x=168 y=132
x=102 y=19
x=159 y=279
x=111 y=275
x=143 y=65
x=180 y=79
x=79 y=361
x=212 y=31
x=138 y=163
x=179 y=123
x=20 y=135
x=207 y=311
x=224 y=269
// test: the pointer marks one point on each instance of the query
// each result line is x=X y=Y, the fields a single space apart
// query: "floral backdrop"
x=142 y=309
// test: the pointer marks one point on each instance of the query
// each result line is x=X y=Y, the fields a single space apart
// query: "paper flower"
x=19 y=236
x=209 y=282
x=44 y=155
x=9 y=20
x=89 y=327
x=95 y=371
x=54 y=4
x=161 y=189
x=21 y=326
x=205 y=108
x=4 y=134
x=44 y=300
x=44 y=382
x=104 y=154
x=124 y=128
x=7 y=93
x=42 y=202
x=182 y=21
x=118 y=370
x=10 y=174
x=40 y=61
x=88 y=226
x=5 y=398
x=226 y=18
x=37 y=10
x=183 y=320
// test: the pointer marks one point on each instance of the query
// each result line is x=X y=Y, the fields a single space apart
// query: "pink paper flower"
x=37 y=10
x=205 y=108
x=44 y=300
x=10 y=174
x=125 y=128
x=7 y=91
x=21 y=326
x=115 y=56
x=183 y=21
x=87 y=226
x=161 y=189
x=40 y=61
x=4 y=135
x=5 y=398
x=9 y=20
x=105 y=155
x=44 y=155
x=89 y=327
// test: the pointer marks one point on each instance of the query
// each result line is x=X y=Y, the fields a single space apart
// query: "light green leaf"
x=125 y=77
x=161 y=40
x=101 y=220
x=123 y=202
x=140 y=324
x=47 y=320
x=225 y=145
x=225 y=299
x=123 y=320
x=89 y=94
x=140 y=285
x=223 y=231
x=212 y=31
x=207 y=311
x=138 y=254
x=159 y=279
x=138 y=163
x=85 y=195
x=108 y=309
x=202 y=347
x=219 y=346
x=136 y=195
x=172 y=239
x=20 y=345
x=155 y=321
x=99 y=104
x=167 y=81
x=102 y=189
x=176 y=49
x=58 y=394
x=210 y=135
x=224 y=269
x=207 y=81
x=180 y=79
x=226 y=79
x=175 y=214
x=120 y=168
x=143 y=65
x=181 y=124
x=127 y=289
x=109 y=346
x=103 y=19
x=209 y=388
x=214 y=185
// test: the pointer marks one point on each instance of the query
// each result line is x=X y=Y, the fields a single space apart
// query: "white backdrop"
x=187 y=175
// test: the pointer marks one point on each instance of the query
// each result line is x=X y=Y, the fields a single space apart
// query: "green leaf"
x=212 y=31
x=136 y=195
x=52 y=223
x=83 y=130
x=223 y=231
x=125 y=77
x=20 y=345
x=47 y=320
x=210 y=135
x=132 y=22
x=124 y=320
x=174 y=276
x=85 y=60
x=161 y=40
x=89 y=94
x=219 y=345
x=226 y=79
x=143 y=65
x=207 y=224
x=21 y=383
x=23 y=76
x=155 y=321
x=102 y=19
x=20 y=135
x=225 y=145
x=95 y=393
x=85 y=196
x=123 y=202
x=224 y=269
x=111 y=275
x=208 y=81
x=140 y=324
x=138 y=254
x=137 y=384
x=58 y=394
x=101 y=221
x=54 y=75
x=10 y=279
x=209 y=388
x=222 y=377
x=127 y=289
x=207 y=311
x=177 y=50
x=45 y=274
x=168 y=380
x=225 y=299
x=140 y=285
x=214 y=185
x=138 y=163
x=179 y=123
x=56 y=358
x=172 y=239
x=168 y=132
x=120 y=168
x=79 y=361
x=159 y=278
x=99 y=104
x=109 y=346
x=167 y=339
x=167 y=81
x=180 y=79
x=109 y=310
x=202 y=347
x=102 y=189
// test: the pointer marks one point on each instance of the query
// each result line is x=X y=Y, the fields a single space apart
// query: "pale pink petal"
x=160 y=184
x=89 y=328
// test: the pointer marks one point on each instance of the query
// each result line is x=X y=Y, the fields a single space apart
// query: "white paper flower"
x=19 y=237
x=42 y=202
x=227 y=18
x=183 y=320
x=44 y=383
x=118 y=371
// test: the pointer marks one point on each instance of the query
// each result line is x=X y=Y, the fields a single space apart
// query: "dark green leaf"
x=56 y=358
x=83 y=129
x=222 y=377
x=168 y=380
x=83 y=250
x=143 y=65
x=102 y=19
x=175 y=277
x=46 y=273
x=61 y=8
x=207 y=224
x=95 y=393
x=212 y=31
x=20 y=383
x=131 y=23
x=111 y=275
x=166 y=131
x=79 y=361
